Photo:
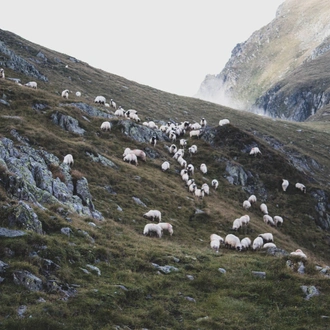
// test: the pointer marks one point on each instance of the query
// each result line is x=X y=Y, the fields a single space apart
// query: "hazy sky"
x=170 y=45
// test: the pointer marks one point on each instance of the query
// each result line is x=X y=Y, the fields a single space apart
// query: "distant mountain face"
x=283 y=69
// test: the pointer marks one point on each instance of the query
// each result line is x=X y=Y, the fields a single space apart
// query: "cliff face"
x=281 y=69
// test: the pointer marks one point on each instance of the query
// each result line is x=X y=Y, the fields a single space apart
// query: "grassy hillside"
x=130 y=293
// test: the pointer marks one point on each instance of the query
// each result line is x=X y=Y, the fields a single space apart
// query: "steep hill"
x=282 y=70
x=72 y=252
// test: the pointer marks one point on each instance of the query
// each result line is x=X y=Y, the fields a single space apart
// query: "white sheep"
x=165 y=166
x=233 y=242
x=68 y=159
x=257 y=243
x=216 y=236
x=285 y=184
x=138 y=152
x=301 y=187
x=237 y=224
x=203 y=122
x=252 y=199
x=299 y=253
x=185 y=177
x=255 y=151
x=153 y=140
x=264 y=208
x=183 y=142
x=106 y=126
x=173 y=149
x=131 y=158
x=32 y=84
x=192 y=149
x=203 y=168
x=2 y=73
x=166 y=226
x=267 y=237
x=192 y=187
x=195 y=126
x=107 y=105
x=152 y=124
x=206 y=188
x=65 y=94
x=130 y=112
x=78 y=94
x=190 y=181
x=215 y=245
x=135 y=117
x=182 y=162
x=152 y=228
x=190 y=169
x=246 y=205
x=196 y=133
x=215 y=183
x=199 y=192
x=100 y=99
x=178 y=153
x=223 y=122
x=120 y=112
x=278 y=220
x=269 y=245
x=113 y=104
x=245 y=243
x=153 y=215
x=245 y=219
x=268 y=220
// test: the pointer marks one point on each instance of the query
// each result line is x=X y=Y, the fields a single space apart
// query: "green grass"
x=234 y=300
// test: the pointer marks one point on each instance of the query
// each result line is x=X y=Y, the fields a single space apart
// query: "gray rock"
x=259 y=274
x=66 y=231
x=3 y=266
x=222 y=270
x=68 y=123
x=190 y=277
x=102 y=160
x=5 y=232
x=165 y=269
x=138 y=201
x=310 y=291
x=21 y=310
x=95 y=269
x=27 y=279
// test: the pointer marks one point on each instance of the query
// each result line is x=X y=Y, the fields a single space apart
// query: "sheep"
x=268 y=220
x=206 y=188
x=130 y=112
x=179 y=153
x=215 y=245
x=113 y=104
x=65 y=94
x=173 y=149
x=32 y=84
x=68 y=159
x=246 y=204
x=203 y=122
x=223 y=122
x=215 y=236
x=183 y=142
x=237 y=224
x=232 y=241
x=190 y=181
x=252 y=199
x=195 y=126
x=172 y=136
x=182 y=162
x=120 y=112
x=299 y=253
x=78 y=94
x=255 y=151
x=190 y=169
x=100 y=99
x=301 y=187
x=199 y=192
x=106 y=126
x=135 y=117
x=185 y=177
x=166 y=226
x=263 y=208
x=107 y=105
x=203 y=168
x=196 y=133
x=2 y=73
x=165 y=166
x=267 y=237
x=138 y=152
x=278 y=220
x=245 y=243
x=152 y=227
x=269 y=245
x=285 y=184
x=245 y=219
x=153 y=140
x=192 y=149
x=257 y=243
x=153 y=215
x=215 y=183
x=192 y=187
x=151 y=124
x=131 y=158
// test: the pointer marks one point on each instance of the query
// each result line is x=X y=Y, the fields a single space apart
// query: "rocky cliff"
x=281 y=70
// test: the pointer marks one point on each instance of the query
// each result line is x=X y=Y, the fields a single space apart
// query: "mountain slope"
x=82 y=226
x=270 y=67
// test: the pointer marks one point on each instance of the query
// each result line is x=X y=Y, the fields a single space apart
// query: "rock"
x=102 y=160
x=27 y=279
x=190 y=299
x=4 y=232
x=310 y=291
x=21 y=310
x=222 y=270
x=90 y=110
x=3 y=266
x=95 y=269
x=138 y=201
x=165 y=269
x=67 y=123
x=190 y=277
x=66 y=231
x=259 y=274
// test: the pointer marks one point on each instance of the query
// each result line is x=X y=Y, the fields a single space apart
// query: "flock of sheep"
x=174 y=132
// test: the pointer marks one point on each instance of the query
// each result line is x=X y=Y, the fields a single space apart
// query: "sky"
x=170 y=45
